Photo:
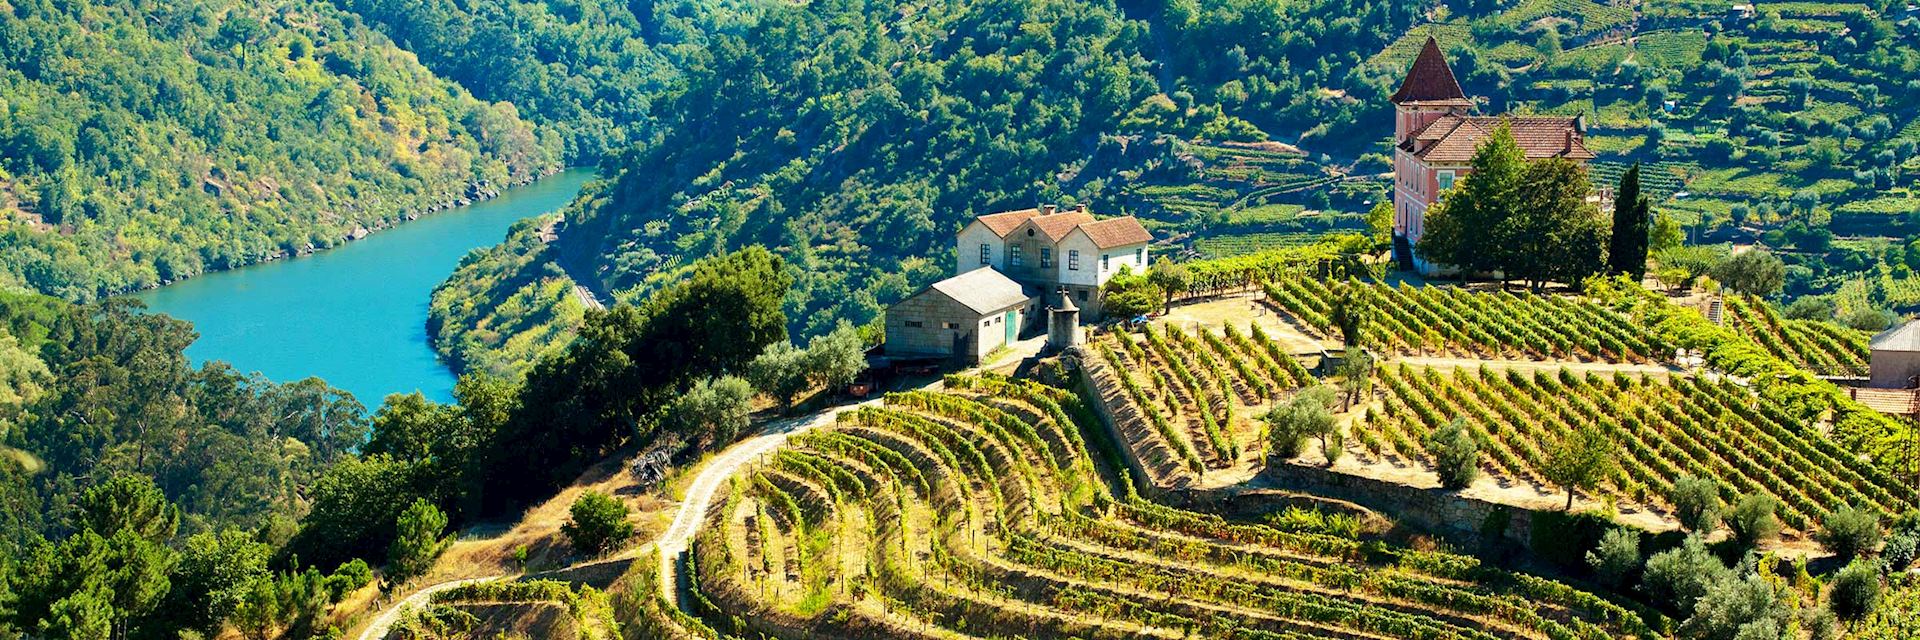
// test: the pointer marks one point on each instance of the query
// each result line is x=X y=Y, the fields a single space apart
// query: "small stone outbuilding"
x=1896 y=357
x=966 y=316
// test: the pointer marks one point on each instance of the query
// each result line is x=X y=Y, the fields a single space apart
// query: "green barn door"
x=1009 y=322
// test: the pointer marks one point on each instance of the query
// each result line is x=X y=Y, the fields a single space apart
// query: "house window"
x=1140 y=256
x=915 y=324
x=1046 y=257
x=1073 y=259
x=1446 y=180
x=1104 y=261
x=1013 y=256
x=1083 y=295
x=949 y=325
x=986 y=253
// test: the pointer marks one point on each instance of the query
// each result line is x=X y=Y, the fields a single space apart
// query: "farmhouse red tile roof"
x=1116 y=232
x=1004 y=222
x=1451 y=140
x=1430 y=80
x=1056 y=226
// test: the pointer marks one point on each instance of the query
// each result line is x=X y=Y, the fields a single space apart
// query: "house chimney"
x=1569 y=141
x=1082 y=207
x=1048 y=209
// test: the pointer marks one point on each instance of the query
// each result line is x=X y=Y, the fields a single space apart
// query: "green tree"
x=1682 y=575
x=1696 y=503
x=1666 y=235
x=417 y=541
x=1308 y=415
x=597 y=523
x=1379 y=224
x=1551 y=232
x=1757 y=272
x=1171 y=278
x=1849 y=532
x=780 y=371
x=719 y=408
x=214 y=575
x=835 y=359
x=1740 y=609
x=1617 y=557
x=1356 y=375
x=1482 y=201
x=131 y=503
x=1753 y=520
x=1856 y=591
x=1581 y=460
x=1632 y=224
x=1351 y=314
x=1456 y=454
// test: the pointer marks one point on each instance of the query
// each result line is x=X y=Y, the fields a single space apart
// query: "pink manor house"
x=1435 y=137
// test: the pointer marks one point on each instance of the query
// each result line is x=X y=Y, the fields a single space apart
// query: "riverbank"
x=474 y=193
x=354 y=315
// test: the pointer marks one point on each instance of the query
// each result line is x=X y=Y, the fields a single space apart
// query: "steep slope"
x=853 y=136
x=144 y=141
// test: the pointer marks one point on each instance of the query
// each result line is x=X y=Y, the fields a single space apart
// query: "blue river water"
x=355 y=315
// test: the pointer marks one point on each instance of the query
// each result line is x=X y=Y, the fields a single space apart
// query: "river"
x=355 y=315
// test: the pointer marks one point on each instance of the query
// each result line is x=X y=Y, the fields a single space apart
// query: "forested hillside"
x=143 y=141
x=587 y=70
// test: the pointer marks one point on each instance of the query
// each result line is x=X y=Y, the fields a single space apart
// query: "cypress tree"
x=1632 y=219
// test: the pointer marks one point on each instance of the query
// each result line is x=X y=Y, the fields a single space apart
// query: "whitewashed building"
x=1048 y=249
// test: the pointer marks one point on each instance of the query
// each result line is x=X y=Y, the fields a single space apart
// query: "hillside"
x=143 y=142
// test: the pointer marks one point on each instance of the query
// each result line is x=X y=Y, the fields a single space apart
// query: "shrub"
x=1849 y=532
x=1901 y=550
x=416 y=541
x=1681 y=576
x=1309 y=414
x=1820 y=623
x=1565 y=538
x=1739 y=609
x=1456 y=454
x=1617 y=557
x=598 y=523
x=1856 y=591
x=1696 y=502
x=1753 y=520
x=720 y=407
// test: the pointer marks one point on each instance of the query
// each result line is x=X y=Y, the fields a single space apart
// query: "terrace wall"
x=1455 y=517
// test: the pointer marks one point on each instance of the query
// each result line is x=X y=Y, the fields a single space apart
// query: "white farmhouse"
x=1048 y=249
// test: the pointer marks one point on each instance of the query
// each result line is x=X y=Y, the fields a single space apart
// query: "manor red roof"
x=1430 y=80
x=1451 y=140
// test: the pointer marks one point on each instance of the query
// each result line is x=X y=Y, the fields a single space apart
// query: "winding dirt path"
x=377 y=629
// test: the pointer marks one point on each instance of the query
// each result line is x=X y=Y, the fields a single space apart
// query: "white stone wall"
x=967 y=249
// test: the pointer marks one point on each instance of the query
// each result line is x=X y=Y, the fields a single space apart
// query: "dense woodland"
x=149 y=141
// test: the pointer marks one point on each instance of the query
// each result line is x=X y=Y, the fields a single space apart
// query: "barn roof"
x=1905 y=337
x=983 y=290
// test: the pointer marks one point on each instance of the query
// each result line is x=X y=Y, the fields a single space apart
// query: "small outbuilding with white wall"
x=1896 y=357
x=966 y=316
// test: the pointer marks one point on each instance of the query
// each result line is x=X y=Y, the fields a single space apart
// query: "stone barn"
x=966 y=316
x=1896 y=357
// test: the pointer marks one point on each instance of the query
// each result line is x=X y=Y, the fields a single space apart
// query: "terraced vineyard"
x=1819 y=347
x=1666 y=428
x=980 y=513
x=1435 y=319
x=1198 y=392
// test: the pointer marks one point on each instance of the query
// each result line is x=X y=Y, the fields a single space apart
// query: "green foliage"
x=1850 y=532
x=1632 y=222
x=1752 y=520
x=1696 y=503
x=780 y=371
x=1456 y=454
x=212 y=579
x=355 y=507
x=144 y=142
x=1857 y=591
x=505 y=307
x=130 y=503
x=416 y=541
x=1128 y=294
x=1681 y=576
x=1755 y=273
x=597 y=523
x=1741 y=609
x=1617 y=558
x=717 y=408
x=835 y=359
x=1528 y=220
x=1581 y=460
x=1308 y=415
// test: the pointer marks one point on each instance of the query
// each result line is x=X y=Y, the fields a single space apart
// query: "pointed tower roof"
x=1430 y=80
